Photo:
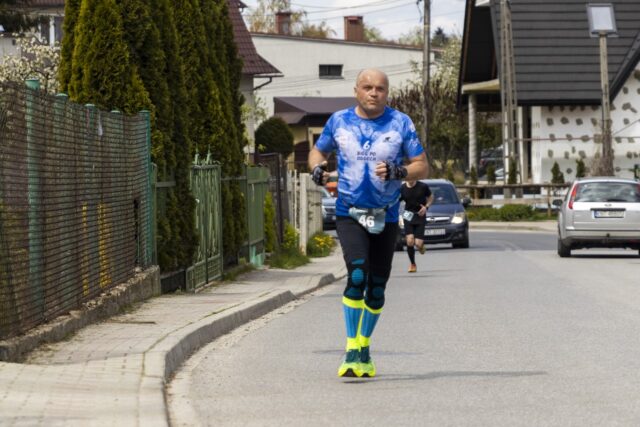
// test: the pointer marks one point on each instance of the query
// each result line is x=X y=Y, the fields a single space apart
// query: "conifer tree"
x=102 y=71
x=223 y=58
x=180 y=203
x=71 y=14
x=557 y=177
x=581 y=169
x=210 y=107
x=152 y=38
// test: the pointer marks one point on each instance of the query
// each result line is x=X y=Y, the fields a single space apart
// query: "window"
x=45 y=28
x=330 y=71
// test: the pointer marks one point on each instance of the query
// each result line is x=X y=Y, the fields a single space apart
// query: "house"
x=49 y=29
x=557 y=80
x=320 y=73
x=306 y=116
x=254 y=67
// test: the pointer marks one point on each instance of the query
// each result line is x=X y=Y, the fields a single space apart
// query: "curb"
x=168 y=354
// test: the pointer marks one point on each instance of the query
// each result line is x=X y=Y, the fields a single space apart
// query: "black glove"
x=395 y=171
x=317 y=175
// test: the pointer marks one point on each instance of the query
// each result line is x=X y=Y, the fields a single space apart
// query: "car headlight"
x=458 y=218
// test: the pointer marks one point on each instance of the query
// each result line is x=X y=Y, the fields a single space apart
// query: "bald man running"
x=376 y=148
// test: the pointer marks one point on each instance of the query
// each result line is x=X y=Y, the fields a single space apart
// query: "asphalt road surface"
x=504 y=333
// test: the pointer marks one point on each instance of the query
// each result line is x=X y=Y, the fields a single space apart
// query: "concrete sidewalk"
x=114 y=372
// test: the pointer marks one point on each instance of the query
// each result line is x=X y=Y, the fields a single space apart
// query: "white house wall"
x=246 y=89
x=298 y=59
x=564 y=134
x=7 y=47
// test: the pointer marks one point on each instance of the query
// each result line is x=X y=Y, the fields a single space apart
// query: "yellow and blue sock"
x=352 y=314
x=367 y=324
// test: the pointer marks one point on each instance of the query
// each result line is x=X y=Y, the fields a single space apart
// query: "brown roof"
x=293 y=109
x=253 y=64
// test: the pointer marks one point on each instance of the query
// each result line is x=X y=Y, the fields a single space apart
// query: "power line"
x=370 y=12
x=303 y=81
x=346 y=7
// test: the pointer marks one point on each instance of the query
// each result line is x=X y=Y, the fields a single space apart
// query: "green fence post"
x=65 y=193
x=90 y=210
x=149 y=234
x=33 y=197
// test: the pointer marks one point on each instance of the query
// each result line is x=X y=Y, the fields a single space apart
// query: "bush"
x=290 y=239
x=505 y=213
x=450 y=174
x=557 y=177
x=274 y=136
x=491 y=174
x=581 y=169
x=270 y=241
x=289 y=255
x=473 y=175
x=513 y=172
x=320 y=245
x=516 y=212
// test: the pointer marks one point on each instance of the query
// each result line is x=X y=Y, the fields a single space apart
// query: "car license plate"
x=434 y=231
x=608 y=214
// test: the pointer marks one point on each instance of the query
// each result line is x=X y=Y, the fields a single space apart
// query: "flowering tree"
x=33 y=60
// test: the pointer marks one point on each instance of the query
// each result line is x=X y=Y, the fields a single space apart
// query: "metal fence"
x=205 y=186
x=255 y=187
x=75 y=211
x=278 y=188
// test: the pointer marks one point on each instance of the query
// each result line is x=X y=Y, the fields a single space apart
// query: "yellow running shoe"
x=413 y=268
x=351 y=365
x=367 y=367
x=421 y=250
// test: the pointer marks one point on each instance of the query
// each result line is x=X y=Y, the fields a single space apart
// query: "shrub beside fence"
x=75 y=204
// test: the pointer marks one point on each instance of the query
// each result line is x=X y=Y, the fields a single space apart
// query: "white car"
x=599 y=212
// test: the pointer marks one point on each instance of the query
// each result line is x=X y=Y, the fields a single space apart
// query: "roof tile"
x=253 y=63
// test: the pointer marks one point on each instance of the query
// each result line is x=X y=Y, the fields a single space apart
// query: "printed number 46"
x=367 y=221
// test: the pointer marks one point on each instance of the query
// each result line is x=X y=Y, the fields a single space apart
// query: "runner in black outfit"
x=417 y=197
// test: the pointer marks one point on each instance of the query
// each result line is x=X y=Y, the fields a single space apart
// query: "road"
x=505 y=333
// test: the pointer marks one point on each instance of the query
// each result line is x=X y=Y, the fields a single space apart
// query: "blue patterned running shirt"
x=359 y=145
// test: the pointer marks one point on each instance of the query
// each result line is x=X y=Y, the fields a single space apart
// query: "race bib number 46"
x=372 y=219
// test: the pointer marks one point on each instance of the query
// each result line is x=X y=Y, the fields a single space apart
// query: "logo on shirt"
x=365 y=155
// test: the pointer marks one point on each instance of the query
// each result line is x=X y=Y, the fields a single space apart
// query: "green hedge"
x=505 y=213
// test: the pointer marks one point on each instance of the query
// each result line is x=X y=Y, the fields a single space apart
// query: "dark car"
x=328 y=210
x=446 y=218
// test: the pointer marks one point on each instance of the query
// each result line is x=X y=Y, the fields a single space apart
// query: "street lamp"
x=602 y=23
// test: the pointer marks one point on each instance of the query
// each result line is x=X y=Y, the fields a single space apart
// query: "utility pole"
x=508 y=88
x=607 y=153
x=426 y=65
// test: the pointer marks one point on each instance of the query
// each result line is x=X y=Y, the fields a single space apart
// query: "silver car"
x=599 y=212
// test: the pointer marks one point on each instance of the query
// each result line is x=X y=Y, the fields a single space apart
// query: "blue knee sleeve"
x=356 y=279
x=375 y=292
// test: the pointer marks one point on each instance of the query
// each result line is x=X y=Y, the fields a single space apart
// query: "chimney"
x=283 y=23
x=353 y=29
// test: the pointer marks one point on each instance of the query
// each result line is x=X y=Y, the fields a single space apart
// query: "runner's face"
x=371 y=92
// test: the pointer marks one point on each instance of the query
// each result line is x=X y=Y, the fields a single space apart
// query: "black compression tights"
x=368 y=258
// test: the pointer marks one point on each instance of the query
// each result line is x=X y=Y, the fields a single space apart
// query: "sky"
x=392 y=17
